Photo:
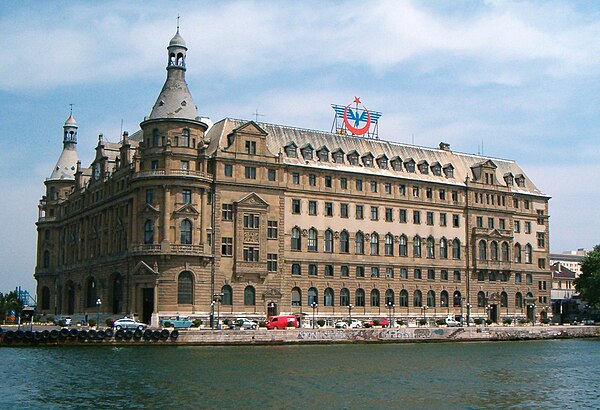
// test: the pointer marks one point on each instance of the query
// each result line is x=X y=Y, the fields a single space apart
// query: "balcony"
x=161 y=173
x=170 y=248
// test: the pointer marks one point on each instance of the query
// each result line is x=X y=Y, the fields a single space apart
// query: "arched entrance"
x=272 y=309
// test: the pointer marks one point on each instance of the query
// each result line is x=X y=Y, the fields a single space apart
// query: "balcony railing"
x=161 y=173
x=178 y=249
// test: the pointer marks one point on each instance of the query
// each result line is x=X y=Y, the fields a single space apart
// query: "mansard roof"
x=279 y=136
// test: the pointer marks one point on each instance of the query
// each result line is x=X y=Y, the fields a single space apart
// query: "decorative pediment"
x=142 y=268
x=149 y=209
x=250 y=128
x=187 y=209
x=272 y=293
x=252 y=200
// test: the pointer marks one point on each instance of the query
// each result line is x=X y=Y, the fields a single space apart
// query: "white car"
x=451 y=322
x=243 y=323
x=354 y=324
x=128 y=323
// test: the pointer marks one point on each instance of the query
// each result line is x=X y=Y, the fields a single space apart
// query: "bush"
x=61 y=323
x=507 y=321
x=320 y=322
x=488 y=322
x=545 y=321
x=226 y=322
x=91 y=322
x=196 y=322
x=50 y=319
x=400 y=322
x=440 y=322
x=422 y=322
x=478 y=321
x=168 y=324
x=376 y=322
x=110 y=322
x=262 y=323
x=524 y=321
x=567 y=320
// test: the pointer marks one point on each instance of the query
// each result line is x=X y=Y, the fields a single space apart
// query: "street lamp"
x=314 y=307
x=217 y=298
x=469 y=306
x=424 y=308
x=391 y=306
x=350 y=307
x=98 y=303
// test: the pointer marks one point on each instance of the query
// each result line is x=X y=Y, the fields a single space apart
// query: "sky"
x=515 y=80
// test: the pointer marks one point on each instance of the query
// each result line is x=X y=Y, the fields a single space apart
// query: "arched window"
x=518 y=300
x=374 y=243
x=480 y=299
x=312 y=296
x=45 y=298
x=91 y=293
x=359 y=241
x=296 y=297
x=249 y=296
x=149 y=232
x=457 y=299
x=417 y=299
x=328 y=297
x=389 y=297
x=503 y=299
x=374 y=297
x=431 y=298
x=505 y=256
x=444 y=299
x=430 y=247
x=186 y=232
x=482 y=250
x=227 y=298
x=185 y=288
x=494 y=250
x=403 y=245
x=312 y=240
x=344 y=242
x=417 y=246
x=403 y=298
x=328 y=241
x=456 y=248
x=360 y=297
x=528 y=251
x=517 y=253
x=389 y=245
x=443 y=248
x=46 y=261
x=344 y=297
x=296 y=240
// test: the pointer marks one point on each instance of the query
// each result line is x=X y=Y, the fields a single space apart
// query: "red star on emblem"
x=357 y=100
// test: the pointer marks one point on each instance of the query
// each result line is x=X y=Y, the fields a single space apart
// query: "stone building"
x=253 y=219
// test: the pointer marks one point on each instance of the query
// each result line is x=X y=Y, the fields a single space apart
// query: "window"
x=312 y=180
x=455 y=220
x=296 y=297
x=344 y=271
x=541 y=240
x=481 y=299
x=185 y=286
x=529 y=278
x=359 y=244
x=417 y=247
x=443 y=248
x=416 y=217
x=149 y=196
x=540 y=217
x=527 y=227
x=227 y=212
x=155 y=137
x=328 y=208
x=403 y=245
x=312 y=240
x=402 y=188
x=227 y=297
x=456 y=249
x=415 y=191
x=251 y=254
x=403 y=215
x=226 y=246
x=491 y=223
x=295 y=178
x=431 y=274
x=389 y=272
x=542 y=263
x=518 y=300
x=373 y=186
x=518 y=278
x=455 y=196
x=479 y=222
x=344 y=210
x=360 y=271
x=251 y=147
x=328 y=182
x=312 y=207
x=528 y=250
x=296 y=240
x=388 y=188
x=505 y=256
x=431 y=298
x=344 y=297
x=272 y=229
x=359 y=210
x=374 y=244
x=492 y=276
x=456 y=276
x=417 y=299
x=185 y=138
x=295 y=206
x=517 y=226
x=296 y=269
x=430 y=247
x=307 y=153
x=443 y=219
x=323 y=155
x=328 y=297
x=312 y=270
x=343 y=183
x=374 y=297
x=389 y=245
x=186 y=232
x=251 y=221
x=403 y=300
x=328 y=241
x=442 y=194
x=154 y=164
x=360 y=297
x=403 y=273
x=328 y=270
x=344 y=242
x=389 y=213
x=374 y=272
x=186 y=196
x=494 y=250
x=250 y=172
x=249 y=296
x=185 y=165
x=148 y=232
x=272 y=174
x=417 y=274
x=429 y=218
x=374 y=213
x=429 y=193
x=228 y=170
x=482 y=250
x=359 y=184
x=517 y=253
x=502 y=223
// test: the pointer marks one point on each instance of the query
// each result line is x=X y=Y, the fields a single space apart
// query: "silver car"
x=243 y=323
x=128 y=323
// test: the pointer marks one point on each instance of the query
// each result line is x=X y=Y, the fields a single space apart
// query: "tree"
x=9 y=301
x=588 y=283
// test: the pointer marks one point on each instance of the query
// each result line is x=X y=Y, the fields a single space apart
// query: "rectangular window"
x=271 y=262
x=272 y=175
x=373 y=186
x=312 y=270
x=455 y=220
x=529 y=279
x=456 y=276
x=403 y=215
x=540 y=216
x=250 y=254
x=228 y=170
x=226 y=246
x=343 y=183
x=250 y=172
x=403 y=273
x=389 y=214
x=312 y=207
x=295 y=206
x=312 y=179
x=444 y=274
x=541 y=240
x=272 y=229
x=542 y=263
x=328 y=208
x=431 y=274
x=154 y=164
x=186 y=195
x=417 y=274
x=149 y=196
x=359 y=183
x=389 y=272
x=227 y=212
x=374 y=213
x=443 y=219
x=295 y=178
x=328 y=181
x=328 y=270
x=527 y=227
x=455 y=196
x=502 y=223
x=388 y=188
x=491 y=223
x=416 y=191
x=360 y=271
x=429 y=218
x=416 y=217
x=374 y=272
x=344 y=271
x=526 y=203
x=402 y=190
x=185 y=165
x=251 y=147
x=442 y=193
x=429 y=193
x=480 y=222
x=517 y=226
x=480 y=276
x=344 y=210
x=251 y=221
x=360 y=212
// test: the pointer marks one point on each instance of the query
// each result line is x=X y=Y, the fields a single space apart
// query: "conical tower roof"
x=67 y=162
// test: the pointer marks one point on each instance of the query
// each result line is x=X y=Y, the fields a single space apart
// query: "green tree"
x=588 y=283
x=9 y=301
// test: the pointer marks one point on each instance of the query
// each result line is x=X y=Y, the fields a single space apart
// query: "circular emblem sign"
x=357 y=117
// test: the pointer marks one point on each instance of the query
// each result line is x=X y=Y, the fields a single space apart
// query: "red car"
x=380 y=322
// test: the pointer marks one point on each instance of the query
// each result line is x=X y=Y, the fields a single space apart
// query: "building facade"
x=189 y=217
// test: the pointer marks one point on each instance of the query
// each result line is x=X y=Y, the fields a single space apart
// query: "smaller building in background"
x=566 y=267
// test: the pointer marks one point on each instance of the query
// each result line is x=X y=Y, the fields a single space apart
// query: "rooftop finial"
x=71 y=105
x=178 y=22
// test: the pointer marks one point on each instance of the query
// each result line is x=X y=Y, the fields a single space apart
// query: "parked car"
x=67 y=319
x=128 y=323
x=587 y=322
x=380 y=322
x=282 y=322
x=242 y=323
x=180 y=322
x=341 y=325
x=451 y=322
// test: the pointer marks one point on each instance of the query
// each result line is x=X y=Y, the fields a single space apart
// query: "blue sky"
x=519 y=80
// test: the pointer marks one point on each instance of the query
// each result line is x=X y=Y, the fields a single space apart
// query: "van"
x=282 y=322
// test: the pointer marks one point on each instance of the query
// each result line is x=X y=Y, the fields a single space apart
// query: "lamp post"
x=350 y=307
x=391 y=306
x=424 y=308
x=314 y=307
x=468 y=314
x=217 y=299
x=98 y=303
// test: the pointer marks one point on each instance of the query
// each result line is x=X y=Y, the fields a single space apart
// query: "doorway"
x=147 y=304
x=272 y=309
x=494 y=313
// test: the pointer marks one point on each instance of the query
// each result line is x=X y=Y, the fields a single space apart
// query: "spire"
x=67 y=162
x=175 y=99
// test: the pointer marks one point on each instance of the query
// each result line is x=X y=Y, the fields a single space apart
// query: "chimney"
x=444 y=146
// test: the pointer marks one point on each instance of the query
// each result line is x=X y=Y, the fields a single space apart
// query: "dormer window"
x=323 y=154
x=290 y=150
x=307 y=152
x=424 y=167
x=338 y=156
x=396 y=164
x=449 y=170
x=436 y=169
x=509 y=178
x=353 y=158
x=409 y=164
x=520 y=180
x=382 y=162
x=367 y=160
